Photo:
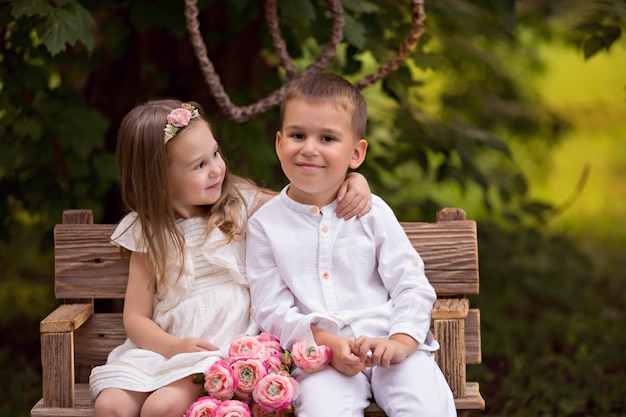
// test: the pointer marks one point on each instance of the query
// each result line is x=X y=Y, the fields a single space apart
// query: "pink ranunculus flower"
x=232 y=408
x=271 y=343
x=310 y=357
x=247 y=347
x=179 y=117
x=276 y=392
x=203 y=407
x=248 y=372
x=274 y=363
x=220 y=380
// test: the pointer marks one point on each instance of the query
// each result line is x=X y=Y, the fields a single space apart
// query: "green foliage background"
x=463 y=122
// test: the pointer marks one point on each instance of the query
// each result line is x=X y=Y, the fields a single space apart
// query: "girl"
x=187 y=293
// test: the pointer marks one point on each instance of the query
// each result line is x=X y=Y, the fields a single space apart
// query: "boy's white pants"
x=415 y=387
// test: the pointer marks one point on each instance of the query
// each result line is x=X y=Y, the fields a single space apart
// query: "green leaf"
x=360 y=6
x=82 y=130
x=298 y=10
x=611 y=34
x=592 y=46
x=354 y=32
x=28 y=127
x=30 y=8
x=67 y=26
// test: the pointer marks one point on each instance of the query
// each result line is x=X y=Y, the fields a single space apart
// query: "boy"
x=356 y=285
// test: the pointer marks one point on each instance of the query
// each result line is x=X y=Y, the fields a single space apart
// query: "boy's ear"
x=358 y=154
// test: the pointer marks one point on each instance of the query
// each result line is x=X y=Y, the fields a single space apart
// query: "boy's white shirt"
x=350 y=277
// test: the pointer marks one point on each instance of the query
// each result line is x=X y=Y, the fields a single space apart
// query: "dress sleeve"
x=128 y=234
x=251 y=198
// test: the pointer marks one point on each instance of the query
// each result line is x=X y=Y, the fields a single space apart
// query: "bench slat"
x=84 y=403
x=104 y=331
x=87 y=265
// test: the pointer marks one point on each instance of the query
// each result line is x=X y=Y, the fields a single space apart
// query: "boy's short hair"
x=320 y=87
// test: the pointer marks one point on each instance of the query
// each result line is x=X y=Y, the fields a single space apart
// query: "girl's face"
x=195 y=169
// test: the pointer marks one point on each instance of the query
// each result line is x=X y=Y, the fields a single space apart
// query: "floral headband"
x=179 y=118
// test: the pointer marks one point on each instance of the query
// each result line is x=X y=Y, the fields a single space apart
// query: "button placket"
x=325 y=261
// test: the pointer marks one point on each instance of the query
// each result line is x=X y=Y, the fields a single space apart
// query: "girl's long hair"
x=142 y=162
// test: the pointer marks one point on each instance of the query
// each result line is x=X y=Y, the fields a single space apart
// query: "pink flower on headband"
x=179 y=118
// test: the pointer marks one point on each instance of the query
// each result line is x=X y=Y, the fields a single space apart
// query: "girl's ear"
x=277 y=144
x=358 y=154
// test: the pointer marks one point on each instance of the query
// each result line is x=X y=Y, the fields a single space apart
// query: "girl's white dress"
x=211 y=301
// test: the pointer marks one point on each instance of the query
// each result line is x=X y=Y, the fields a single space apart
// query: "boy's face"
x=315 y=146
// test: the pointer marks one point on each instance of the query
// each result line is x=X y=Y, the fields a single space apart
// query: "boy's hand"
x=344 y=352
x=343 y=359
x=384 y=352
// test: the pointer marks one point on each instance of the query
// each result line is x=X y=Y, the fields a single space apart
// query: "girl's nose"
x=214 y=169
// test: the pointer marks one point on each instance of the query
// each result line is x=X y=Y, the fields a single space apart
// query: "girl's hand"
x=190 y=344
x=354 y=197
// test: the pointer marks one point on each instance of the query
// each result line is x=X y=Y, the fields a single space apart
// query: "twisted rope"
x=410 y=42
x=242 y=114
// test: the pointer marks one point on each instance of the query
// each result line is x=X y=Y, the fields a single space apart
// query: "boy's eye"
x=297 y=135
x=327 y=139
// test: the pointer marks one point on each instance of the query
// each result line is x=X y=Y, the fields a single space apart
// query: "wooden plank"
x=87 y=265
x=66 y=318
x=450 y=254
x=84 y=404
x=451 y=356
x=450 y=308
x=57 y=365
x=97 y=337
x=78 y=216
x=82 y=408
x=103 y=332
x=473 y=352
x=473 y=400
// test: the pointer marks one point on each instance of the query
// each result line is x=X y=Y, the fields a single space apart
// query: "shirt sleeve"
x=402 y=272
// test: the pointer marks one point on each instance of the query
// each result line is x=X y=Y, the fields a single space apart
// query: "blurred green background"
x=511 y=110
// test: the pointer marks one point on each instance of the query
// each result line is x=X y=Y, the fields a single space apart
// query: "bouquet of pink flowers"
x=255 y=380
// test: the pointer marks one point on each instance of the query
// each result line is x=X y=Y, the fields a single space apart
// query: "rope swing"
x=242 y=114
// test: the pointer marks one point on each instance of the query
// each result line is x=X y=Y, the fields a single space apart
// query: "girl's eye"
x=199 y=165
x=297 y=135
x=216 y=154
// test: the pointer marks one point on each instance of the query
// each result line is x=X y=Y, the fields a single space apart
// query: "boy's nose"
x=309 y=147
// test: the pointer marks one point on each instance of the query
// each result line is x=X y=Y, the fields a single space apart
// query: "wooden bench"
x=89 y=269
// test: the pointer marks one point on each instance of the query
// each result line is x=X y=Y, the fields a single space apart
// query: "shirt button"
x=325 y=275
x=325 y=229
x=314 y=210
x=416 y=263
x=336 y=314
x=251 y=310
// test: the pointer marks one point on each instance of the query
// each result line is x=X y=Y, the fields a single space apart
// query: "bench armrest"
x=449 y=316
x=57 y=352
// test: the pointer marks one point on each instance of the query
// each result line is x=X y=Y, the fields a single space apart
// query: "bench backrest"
x=89 y=267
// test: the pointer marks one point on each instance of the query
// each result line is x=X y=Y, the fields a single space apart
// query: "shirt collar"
x=307 y=209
